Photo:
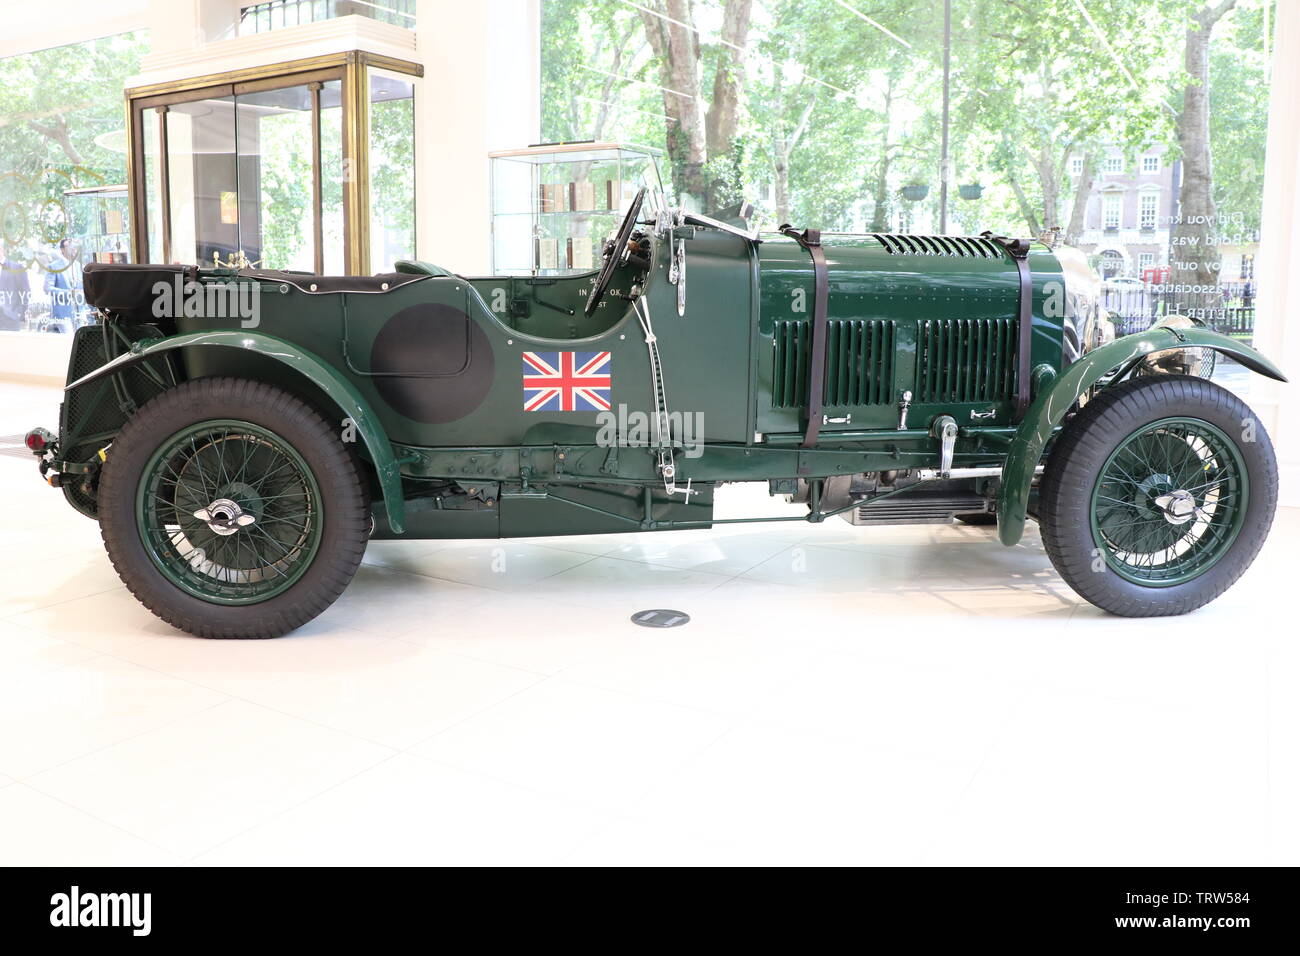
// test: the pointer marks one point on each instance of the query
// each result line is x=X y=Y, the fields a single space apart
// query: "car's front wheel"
x=231 y=509
x=1158 y=495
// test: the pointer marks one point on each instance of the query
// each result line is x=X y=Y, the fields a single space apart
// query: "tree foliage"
x=837 y=102
x=55 y=108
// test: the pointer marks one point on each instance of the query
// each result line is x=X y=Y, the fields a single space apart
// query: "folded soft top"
x=120 y=287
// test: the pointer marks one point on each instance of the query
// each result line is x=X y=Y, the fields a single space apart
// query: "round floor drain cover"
x=660 y=617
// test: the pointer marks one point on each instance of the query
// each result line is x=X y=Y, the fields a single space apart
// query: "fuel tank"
x=933 y=316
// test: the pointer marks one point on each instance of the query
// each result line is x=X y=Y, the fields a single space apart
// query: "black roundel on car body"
x=432 y=363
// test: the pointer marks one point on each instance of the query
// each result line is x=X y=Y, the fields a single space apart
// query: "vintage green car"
x=240 y=435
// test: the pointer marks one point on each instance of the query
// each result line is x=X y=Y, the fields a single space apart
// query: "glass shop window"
x=841 y=106
x=63 y=177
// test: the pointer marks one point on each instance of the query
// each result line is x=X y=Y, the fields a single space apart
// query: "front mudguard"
x=1058 y=394
x=342 y=392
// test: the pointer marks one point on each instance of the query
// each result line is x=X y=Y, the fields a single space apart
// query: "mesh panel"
x=93 y=413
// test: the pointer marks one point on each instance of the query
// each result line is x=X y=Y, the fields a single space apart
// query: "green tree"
x=1192 y=261
x=1057 y=82
x=594 y=68
x=832 y=106
x=1239 y=87
x=702 y=85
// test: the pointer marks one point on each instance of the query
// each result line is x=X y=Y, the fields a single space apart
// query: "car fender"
x=1058 y=393
x=339 y=390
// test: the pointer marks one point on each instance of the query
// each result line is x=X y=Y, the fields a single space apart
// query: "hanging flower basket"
x=915 y=192
x=970 y=191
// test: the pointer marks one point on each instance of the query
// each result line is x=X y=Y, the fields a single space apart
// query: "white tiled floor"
x=901 y=695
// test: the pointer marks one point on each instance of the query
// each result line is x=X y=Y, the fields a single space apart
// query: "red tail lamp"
x=38 y=440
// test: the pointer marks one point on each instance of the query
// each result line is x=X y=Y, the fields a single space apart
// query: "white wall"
x=1277 y=333
x=39 y=357
x=481 y=92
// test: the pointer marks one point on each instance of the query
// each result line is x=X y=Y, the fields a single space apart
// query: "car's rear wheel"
x=1158 y=495
x=231 y=509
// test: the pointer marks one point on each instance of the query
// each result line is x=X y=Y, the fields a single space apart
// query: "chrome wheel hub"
x=1179 y=506
x=224 y=516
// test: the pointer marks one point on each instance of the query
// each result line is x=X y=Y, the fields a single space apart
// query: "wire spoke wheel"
x=229 y=512
x=1169 y=501
x=232 y=509
x=1157 y=495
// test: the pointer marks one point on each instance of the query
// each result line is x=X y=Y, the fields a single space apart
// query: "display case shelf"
x=554 y=205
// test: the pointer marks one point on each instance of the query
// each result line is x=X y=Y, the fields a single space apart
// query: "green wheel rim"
x=262 y=505
x=1169 y=502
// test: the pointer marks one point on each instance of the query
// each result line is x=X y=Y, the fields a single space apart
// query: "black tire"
x=344 y=512
x=1083 y=449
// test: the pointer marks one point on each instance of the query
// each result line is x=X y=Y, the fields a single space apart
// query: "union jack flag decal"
x=567 y=381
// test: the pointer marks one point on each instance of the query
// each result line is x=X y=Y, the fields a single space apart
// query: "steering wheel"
x=616 y=253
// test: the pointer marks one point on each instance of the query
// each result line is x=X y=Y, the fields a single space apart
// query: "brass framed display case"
x=553 y=205
x=306 y=164
x=100 y=219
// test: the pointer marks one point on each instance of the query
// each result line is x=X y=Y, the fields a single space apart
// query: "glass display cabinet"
x=99 y=218
x=554 y=205
x=305 y=165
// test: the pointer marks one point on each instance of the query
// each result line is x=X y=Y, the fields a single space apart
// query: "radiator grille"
x=965 y=360
x=859 y=362
x=967 y=247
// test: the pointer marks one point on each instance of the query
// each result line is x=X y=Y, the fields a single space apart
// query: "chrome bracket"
x=677 y=274
x=944 y=428
x=904 y=404
x=668 y=471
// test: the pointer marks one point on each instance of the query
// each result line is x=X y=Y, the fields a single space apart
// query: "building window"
x=1111 y=203
x=1146 y=260
x=1247 y=266
x=1150 y=164
x=1076 y=166
x=1112 y=164
x=1147 y=204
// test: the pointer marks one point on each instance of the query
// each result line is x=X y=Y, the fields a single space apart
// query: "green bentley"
x=241 y=434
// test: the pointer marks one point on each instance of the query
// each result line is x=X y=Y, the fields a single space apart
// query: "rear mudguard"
x=342 y=392
x=1058 y=394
